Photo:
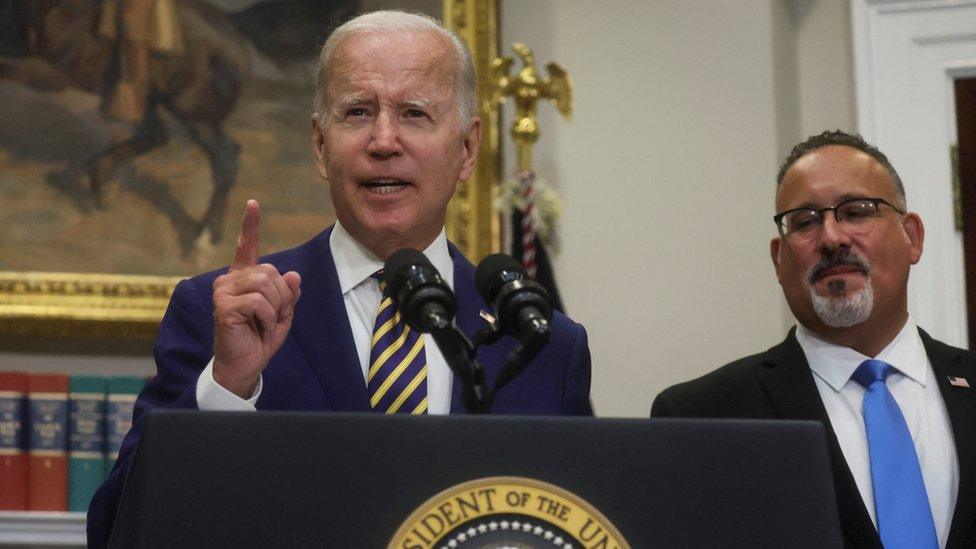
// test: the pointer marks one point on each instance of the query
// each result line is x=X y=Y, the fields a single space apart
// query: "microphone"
x=428 y=305
x=521 y=304
x=523 y=310
x=424 y=299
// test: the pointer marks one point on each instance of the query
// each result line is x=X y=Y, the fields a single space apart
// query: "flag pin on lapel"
x=958 y=382
x=491 y=320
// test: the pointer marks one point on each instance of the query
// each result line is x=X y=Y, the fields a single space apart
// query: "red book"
x=47 y=478
x=13 y=441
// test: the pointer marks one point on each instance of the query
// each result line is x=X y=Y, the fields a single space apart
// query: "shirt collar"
x=835 y=364
x=355 y=264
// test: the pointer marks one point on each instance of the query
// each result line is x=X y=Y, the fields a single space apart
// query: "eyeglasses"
x=857 y=216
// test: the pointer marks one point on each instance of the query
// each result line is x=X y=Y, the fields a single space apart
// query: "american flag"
x=527 y=248
x=487 y=317
x=958 y=382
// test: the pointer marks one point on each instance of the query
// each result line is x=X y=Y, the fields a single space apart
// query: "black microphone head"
x=494 y=271
x=418 y=290
x=397 y=266
x=520 y=303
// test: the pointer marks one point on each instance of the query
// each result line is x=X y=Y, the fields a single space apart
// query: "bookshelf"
x=48 y=529
x=85 y=417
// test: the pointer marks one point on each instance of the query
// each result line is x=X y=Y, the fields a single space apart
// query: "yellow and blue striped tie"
x=397 y=377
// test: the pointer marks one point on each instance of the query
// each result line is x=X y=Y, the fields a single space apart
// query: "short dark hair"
x=838 y=137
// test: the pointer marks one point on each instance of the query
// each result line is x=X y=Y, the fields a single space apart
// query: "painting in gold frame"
x=55 y=297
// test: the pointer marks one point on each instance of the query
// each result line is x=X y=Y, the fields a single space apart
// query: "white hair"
x=465 y=85
x=844 y=309
x=841 y=308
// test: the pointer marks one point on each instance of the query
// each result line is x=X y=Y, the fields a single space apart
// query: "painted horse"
x=198 y=86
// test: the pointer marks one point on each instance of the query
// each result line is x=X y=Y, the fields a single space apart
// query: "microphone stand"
x=460 y=356
x=460 y=353
x=518 y=358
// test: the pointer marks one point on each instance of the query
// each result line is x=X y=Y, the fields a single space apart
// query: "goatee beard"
x=841 y=308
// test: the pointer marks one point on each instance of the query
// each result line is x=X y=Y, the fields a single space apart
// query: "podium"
x=277 y=479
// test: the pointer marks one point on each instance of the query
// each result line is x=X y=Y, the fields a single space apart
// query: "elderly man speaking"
x=301 y=329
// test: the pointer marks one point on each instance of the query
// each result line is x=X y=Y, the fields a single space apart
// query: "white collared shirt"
x=916 y=391
x=361 y=296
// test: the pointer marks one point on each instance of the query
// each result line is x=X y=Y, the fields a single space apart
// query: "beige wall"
x=826 y=65
x=683 y=110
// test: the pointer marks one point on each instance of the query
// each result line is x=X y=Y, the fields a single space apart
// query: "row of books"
x=60 y=436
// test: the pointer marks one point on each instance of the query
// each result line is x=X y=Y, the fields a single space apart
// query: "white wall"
x=683 y=110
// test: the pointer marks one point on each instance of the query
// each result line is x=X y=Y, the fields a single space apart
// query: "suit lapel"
x=789 y=382
x=322 y=330
x=469 y=321
x=960 y=403
x=791 y=388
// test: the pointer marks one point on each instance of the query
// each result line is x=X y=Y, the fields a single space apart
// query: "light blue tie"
x=900 y=501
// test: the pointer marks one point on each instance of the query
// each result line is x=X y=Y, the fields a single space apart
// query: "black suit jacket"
x=778 y=384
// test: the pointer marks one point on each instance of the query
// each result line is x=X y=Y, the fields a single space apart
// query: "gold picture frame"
x=128 y=308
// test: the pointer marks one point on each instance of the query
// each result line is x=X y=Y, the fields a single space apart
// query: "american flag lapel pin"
x=491 y=320
x=958 y=382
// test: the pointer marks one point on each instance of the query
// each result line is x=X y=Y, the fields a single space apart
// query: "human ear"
x=471 y=144
x=774 y=249
x=319 y=145
x=915 y=235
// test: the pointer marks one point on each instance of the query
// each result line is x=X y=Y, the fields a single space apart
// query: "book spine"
x=86 y=454
x=47 y=477
x=122 y=393
x=13 y=441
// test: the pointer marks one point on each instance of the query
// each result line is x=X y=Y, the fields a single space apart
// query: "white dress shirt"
x=361 y=296
x=912 y=383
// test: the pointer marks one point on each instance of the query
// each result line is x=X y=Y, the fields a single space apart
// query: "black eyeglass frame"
x=778 y=218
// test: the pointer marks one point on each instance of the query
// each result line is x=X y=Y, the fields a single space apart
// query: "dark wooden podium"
x=354 y=480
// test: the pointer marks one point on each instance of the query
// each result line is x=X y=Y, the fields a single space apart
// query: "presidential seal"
x=507 y=513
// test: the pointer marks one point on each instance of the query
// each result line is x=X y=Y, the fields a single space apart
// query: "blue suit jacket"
x=317 y=367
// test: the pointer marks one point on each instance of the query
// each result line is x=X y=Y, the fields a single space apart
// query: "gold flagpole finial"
x=527 y=87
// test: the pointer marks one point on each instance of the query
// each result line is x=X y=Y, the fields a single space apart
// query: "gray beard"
x=842 y=309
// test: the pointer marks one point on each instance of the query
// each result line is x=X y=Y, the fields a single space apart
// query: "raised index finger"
x=248 y=244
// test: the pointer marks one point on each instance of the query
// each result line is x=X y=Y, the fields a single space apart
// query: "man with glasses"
x=898 y=405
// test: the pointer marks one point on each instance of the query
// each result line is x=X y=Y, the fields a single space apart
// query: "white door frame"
x=906 y=55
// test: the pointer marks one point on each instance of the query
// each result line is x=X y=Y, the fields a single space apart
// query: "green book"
x=86 y=439
x=122 y=393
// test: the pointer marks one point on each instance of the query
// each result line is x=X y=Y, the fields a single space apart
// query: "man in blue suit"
x=396 y=129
